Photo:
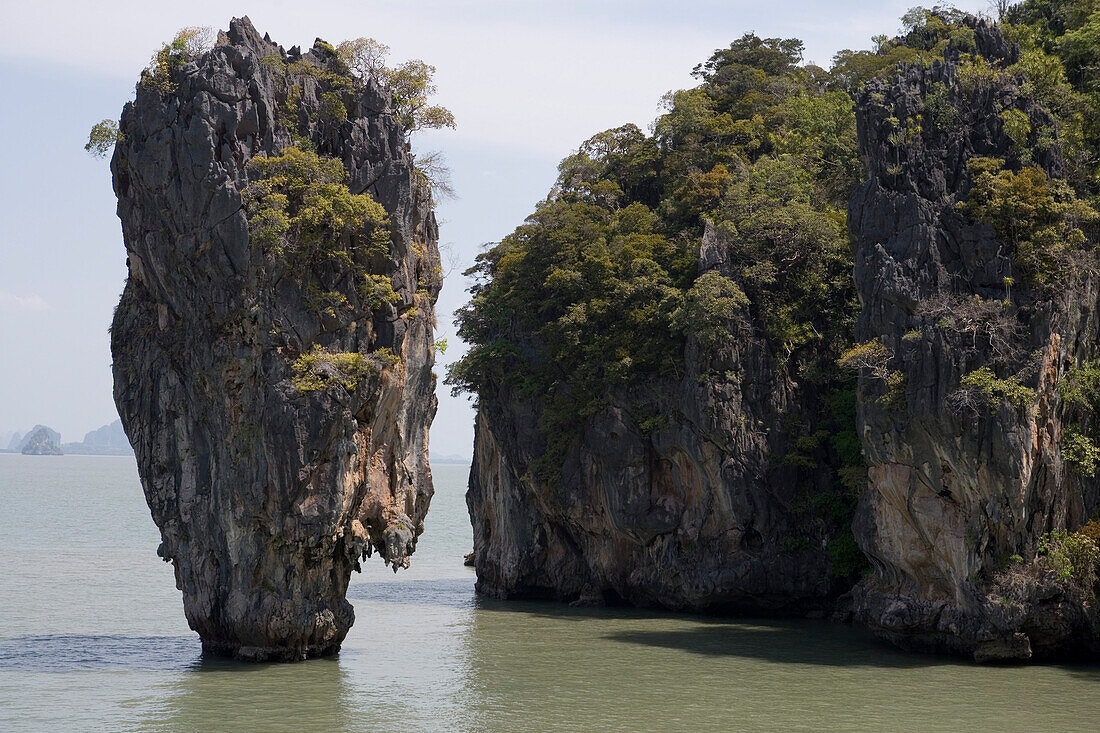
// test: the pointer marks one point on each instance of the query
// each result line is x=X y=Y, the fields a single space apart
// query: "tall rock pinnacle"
x=273 y=346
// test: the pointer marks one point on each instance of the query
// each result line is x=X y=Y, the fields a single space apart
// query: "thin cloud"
x=10 y=302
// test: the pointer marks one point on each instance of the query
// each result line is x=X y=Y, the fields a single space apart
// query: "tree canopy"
x=594 y=299
x=411 y=83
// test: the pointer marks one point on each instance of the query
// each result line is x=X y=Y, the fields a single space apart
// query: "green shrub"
x=1080 y=386
x=895 y=397
x=990 y=390
x=939 y=107
x=300 y=203
x=871 y=355
x=332 y=107
x=326 y=302
x=1017 y=126
x=711 y=303
x=319 y=369
x=377 y=290
x=188 y=43
x=385 y=354
x=410 y=83
x=102 y=138
x=1039 y=217
x=1072 y=557
x=1080 y=452
x=276 y=63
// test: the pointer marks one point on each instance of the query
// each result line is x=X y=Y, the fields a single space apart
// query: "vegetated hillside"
x=661 y=417
x=662 y=353
x=273 y=346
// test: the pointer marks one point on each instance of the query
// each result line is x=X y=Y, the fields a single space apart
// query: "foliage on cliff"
x=603 y=276
x=410 y=83
x=598 y=299
x=299 y=205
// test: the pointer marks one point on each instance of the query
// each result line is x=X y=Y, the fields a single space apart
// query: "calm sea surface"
x=92 y=637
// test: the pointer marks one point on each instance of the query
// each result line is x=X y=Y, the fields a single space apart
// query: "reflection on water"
x=71 y=653
x=223 y=695
x=95 y=639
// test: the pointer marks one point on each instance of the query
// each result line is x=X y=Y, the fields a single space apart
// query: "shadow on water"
x=69 y=653
x=221 y=694
x=786 y=641
x=805 y=642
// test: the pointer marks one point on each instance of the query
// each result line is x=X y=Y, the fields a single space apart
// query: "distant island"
x=41 y=441
x=451 y=458
x=109 y=440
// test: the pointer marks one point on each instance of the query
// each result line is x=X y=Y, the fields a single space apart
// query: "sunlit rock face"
x=268 y=492
x=956 y=489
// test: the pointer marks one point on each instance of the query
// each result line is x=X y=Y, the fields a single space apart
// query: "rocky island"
x=40 y=441
x=273 y=346
x=686 y=399
x=108 y=440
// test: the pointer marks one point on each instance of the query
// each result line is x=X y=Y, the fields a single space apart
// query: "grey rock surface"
x=953 y=492
x=266 y=496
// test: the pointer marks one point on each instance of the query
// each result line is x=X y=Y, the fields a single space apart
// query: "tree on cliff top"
x=410 y=83
x=102 y=138
x=188 y=43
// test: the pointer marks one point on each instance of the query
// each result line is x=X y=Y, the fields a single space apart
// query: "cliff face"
x=957 y=485
x=41 y=441
x=700 y=512
x=278 y=409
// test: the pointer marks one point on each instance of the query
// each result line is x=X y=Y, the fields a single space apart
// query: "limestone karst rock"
x=710 y=484
x=273 y=369
x=661 y=421
x=957 y=489
x=41 y=441
x=694 y=515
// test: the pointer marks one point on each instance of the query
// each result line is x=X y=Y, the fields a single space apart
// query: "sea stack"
x=273 y=347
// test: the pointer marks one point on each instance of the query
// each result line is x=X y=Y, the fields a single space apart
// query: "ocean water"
x=92 y=637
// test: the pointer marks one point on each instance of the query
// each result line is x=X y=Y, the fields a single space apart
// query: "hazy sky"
x=527 y=81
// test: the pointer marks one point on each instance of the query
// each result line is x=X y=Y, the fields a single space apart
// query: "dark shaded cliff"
x=660 y=417
x=968 y=467
x=273 y=347
x=699 y=512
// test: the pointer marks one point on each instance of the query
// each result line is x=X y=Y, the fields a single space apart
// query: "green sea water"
x=92 y=637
